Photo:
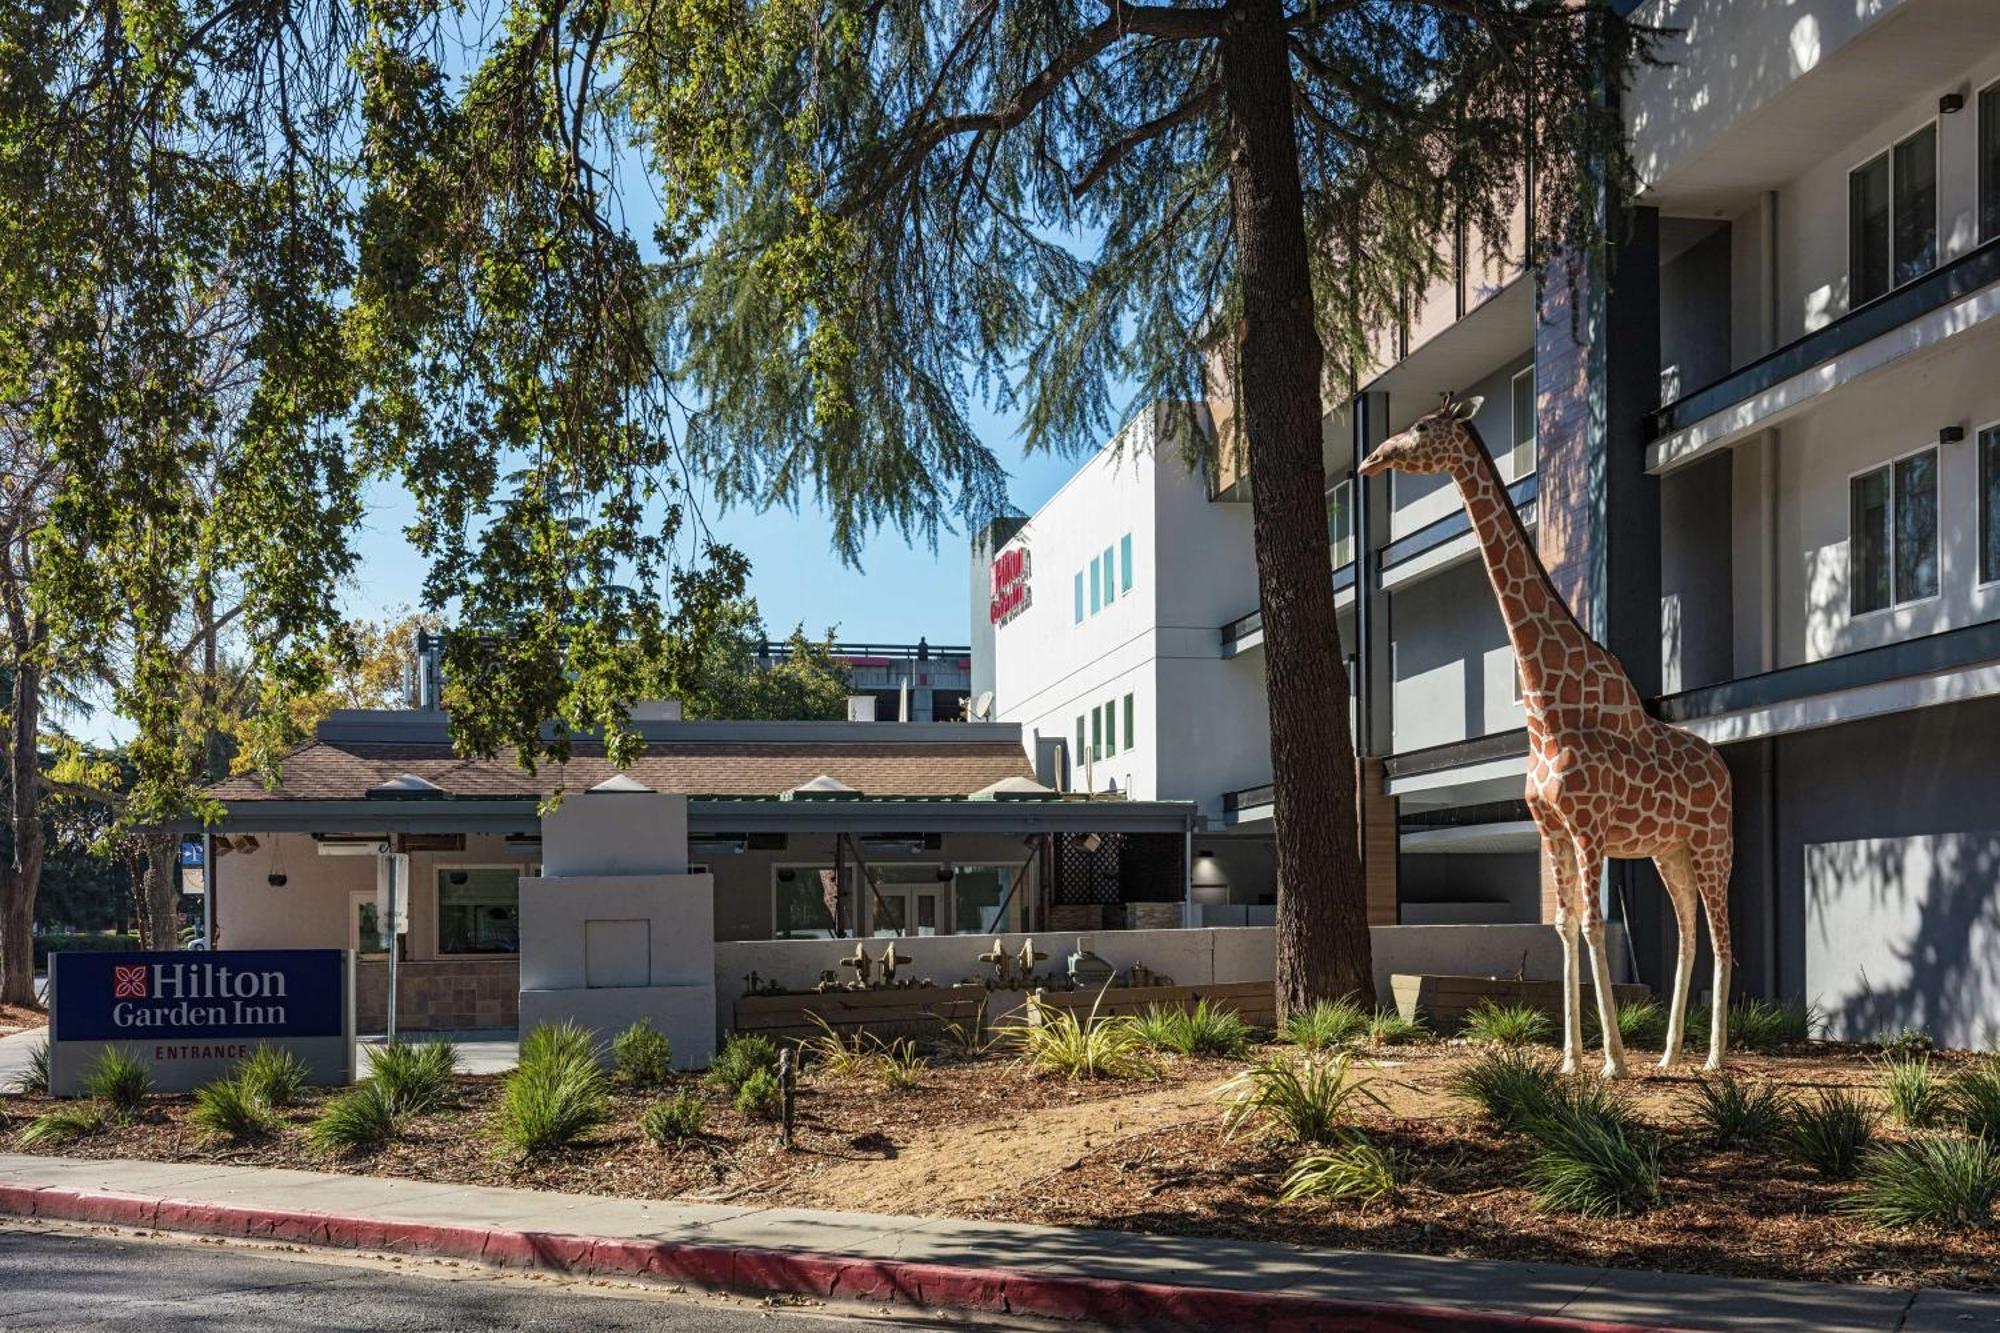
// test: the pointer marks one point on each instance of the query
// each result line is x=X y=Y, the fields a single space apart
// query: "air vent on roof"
x=404 y=787
x=1013 y=789
x=621 y=782
x=822 y=788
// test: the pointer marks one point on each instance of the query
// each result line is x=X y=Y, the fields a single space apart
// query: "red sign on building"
x=1012 y=592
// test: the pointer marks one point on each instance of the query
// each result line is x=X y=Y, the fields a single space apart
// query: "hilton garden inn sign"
x=192 y=1016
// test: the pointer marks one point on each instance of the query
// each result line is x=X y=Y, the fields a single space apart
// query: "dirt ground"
x=20 y=1017
x=984 y=1138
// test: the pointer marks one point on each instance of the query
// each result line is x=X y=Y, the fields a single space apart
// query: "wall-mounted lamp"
x=1951 y=435
x=1951 y=104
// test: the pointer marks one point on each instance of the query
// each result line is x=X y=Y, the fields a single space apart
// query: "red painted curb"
x=751 y=1271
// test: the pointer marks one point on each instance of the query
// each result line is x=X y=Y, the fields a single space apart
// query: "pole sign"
x=1012 y=591
x=192 y=1016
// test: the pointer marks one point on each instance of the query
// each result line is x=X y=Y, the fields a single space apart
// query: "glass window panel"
x=1110 y=728
x=1916 y=527
x=1096 y=588
x=1916 y=205
x=1110 y=578
x=1868 y=232
x=367 y=928
x=1524 y=422
x=479 y=909
x=1128 y=722
x=799 y=910
x=977 y=892
x=1989 y=504
x=1079 y=738
x=1096 y=733
x=1340 y=521
x=1125 y=563
x=1989 y=164
x=1079 y=597
x=1868 y=542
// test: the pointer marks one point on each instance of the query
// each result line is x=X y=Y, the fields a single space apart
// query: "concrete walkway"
x=775 y=1246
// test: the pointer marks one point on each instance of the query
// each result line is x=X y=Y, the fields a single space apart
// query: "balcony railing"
x=1433 y=535
x=1928 y=655
x=1245 y=627
x=1249 y=798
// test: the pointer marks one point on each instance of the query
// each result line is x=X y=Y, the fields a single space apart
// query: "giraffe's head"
x=1431 y=443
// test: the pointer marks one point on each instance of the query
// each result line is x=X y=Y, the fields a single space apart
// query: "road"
x=57 y=1279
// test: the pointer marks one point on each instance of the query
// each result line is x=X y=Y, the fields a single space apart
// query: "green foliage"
x=1641 y=1023
x=1909 y=1043
x=60 y=1127
x=900 y=1067
x=417 y=1075
x=1914 y=1089
x=838 y=1056
x=552 y=1102
x=1357 y=1171
x=1510 y=1086
x=361 y=1120
x=742 y=1056
x=1973 y=1095
x=1949 y=1182
x=229 y=1109
x=275 y=1077
x=1204 y=1029
x=1304 y=1098
x=1326 y=1024
x=1741 y=1114
x=557 y=1043
x=1757 y=1025
x=676 y=1120
x=643 y=1055
x=1056 y=1041
x=1591 y=1158
x=1830 y=1132
x=1389 y=1028
x=34 y=1079
x=804 y=681
x=759 y=1095
x=1507 y=1024
x=121 y=1080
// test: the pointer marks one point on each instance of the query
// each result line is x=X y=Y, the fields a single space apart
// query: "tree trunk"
x=23 y=873
x=1322 y=930
x=162 y=924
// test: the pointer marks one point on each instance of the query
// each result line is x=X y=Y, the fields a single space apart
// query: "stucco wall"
x=1697 y=630
x=1417 y=501
x=1453 y=664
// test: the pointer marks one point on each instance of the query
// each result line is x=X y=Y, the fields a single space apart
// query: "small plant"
x=64 y=1125
x=839 y=1056
x=1908 y=1043
x=120 y=1080
x=1951 y=1182
x=552 y=1102
x=676 y=1120
x=275 y=1077
x=1389 y=1028
x=558 y=1043
x=1203 y=1030
x=741 y=1056
x=34 y=1080
x=1973 y=1096
x=1641 y=1023
x=1739 y=1114
x=1357 y=1171
x=643 y=1055
x=1056 y=1041
x=1308 y=1099
x=1830 y=1133
x=1916 y=1095
x=969 y=1039
x=1508 y=1085
x=1757 y=1025
x=1507 y=1024
x=228 y=1109
x=417 y=1075
x=1590 y=1160
x=1327 y=1024
x=360 y=1120
x=759 y=1095
x=900 y=1067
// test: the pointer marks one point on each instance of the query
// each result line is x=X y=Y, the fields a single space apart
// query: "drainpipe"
x=1187 y=875
x=394 y=942
x=208 y=890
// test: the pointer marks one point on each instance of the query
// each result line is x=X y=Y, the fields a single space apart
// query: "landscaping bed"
x=982 y=1136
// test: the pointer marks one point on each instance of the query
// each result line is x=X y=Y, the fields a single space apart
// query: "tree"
x=803 y=683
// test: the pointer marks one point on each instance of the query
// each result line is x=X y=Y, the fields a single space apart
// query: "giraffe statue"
x=1605 y=779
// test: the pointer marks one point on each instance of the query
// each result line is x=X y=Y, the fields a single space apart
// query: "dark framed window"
x=1989 y=163
x=1892 y=534
x=1340 y=521
x=1892 y=231
x=1989 y=505
x=1524 y=423
x=479 y=909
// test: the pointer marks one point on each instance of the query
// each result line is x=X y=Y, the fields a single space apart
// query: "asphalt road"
x=55 y=1279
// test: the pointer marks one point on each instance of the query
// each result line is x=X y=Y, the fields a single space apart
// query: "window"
x=1096 y=588
x=1079 y=739
x=1340 y=521
x=1096 y=733
x=1989 y=504
x=1125 y=564
x=1110 y=578
x=479 y=909
x=1989 y=163
x=1128 y=722
x=1110 y=728
x=800 y=902
x=364 y=926
x=1892 y=534
x=1892 y=218
x=1079 y=597
x=1524 y=423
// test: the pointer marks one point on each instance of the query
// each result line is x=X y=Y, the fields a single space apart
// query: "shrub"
x=835 y=1055
x=759 y=1095
x=1205 y=1029
x=552 y=1102
x=229 y=1109
x=967 y=1039
x=1973 y=1096
x=900 y=1067
x=1056 y=1041
x=120 y=1080
x=1508 y=1085
x=417 y=1075
x=1305 y=1098
x=1757 y=1025
x=643 y=1055
x=1914 y=1091
x=742 y=1056
x=35 y=1078
x=274 y=1077
x=1591 y=1160
x=1327 y=1024
x=1642 y=1023
x=65 y=1124
x=360 y=1120
x=1830 y=1133
x=1389 y=1028
x=1356 y=1170
x=1907 y=1043
x=679 y=1118
x=1948 y=1181
x=1507 y=1024
x=558 y=1042
x=1740 y=1114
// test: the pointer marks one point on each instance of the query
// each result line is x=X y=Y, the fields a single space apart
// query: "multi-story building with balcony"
x=1761 y=463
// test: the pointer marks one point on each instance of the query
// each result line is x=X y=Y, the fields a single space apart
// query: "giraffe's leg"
x=1589 y=873
x=1677 y=873
x=1562 y=862
x=1712 y=883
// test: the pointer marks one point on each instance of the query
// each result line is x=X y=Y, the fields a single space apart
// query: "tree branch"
x=1152 y=129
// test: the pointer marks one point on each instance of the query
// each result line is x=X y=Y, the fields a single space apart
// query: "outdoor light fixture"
x=277 y=880
x=944 y=874
x=1951 y=104
x=1953 y=434
x=458 y=877
x=787 y=876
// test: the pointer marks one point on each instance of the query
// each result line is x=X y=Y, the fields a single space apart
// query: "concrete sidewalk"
x=1113 y=1277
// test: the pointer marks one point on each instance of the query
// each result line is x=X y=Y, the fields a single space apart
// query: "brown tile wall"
x=449 y=993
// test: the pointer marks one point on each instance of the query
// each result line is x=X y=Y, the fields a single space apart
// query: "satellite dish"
x=982 y=707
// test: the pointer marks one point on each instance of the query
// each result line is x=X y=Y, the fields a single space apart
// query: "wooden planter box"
x=1254 y=1001
x=1444 y=1001
x=916 y=1011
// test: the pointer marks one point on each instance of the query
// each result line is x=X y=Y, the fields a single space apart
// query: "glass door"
x=909 y=900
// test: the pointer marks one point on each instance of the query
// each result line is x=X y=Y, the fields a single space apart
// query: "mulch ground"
x=1168 y=1170
x=20 y=1017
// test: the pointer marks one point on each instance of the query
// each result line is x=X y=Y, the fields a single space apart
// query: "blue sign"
x=190 y=853
x=245 y=993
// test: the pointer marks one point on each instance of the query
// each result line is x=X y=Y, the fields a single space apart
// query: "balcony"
x=1242 y=634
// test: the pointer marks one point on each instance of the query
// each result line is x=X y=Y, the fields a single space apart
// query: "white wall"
x=1416 y=502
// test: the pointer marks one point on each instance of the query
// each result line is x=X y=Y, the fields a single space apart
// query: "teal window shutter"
x=1110 y=578
x=1096 y=588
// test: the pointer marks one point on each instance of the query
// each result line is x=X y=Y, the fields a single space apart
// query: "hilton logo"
x=129 y=983
x=159 y=995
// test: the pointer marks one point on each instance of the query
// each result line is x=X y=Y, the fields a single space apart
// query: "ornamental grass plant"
x=275 y=1077
x=121 y=1080
x=1738 y=1113
x=1306 y=1098
x=229 y=1110
x=1326 y=1024
x=1933 y=1180
x=1355 y=1172
x=1508 y=1085
x=1831 y=1132
x=416 y=1075
x=361 y=1120
x=1507 y=1024
x=1203 y=1029
x=1055 y=1041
